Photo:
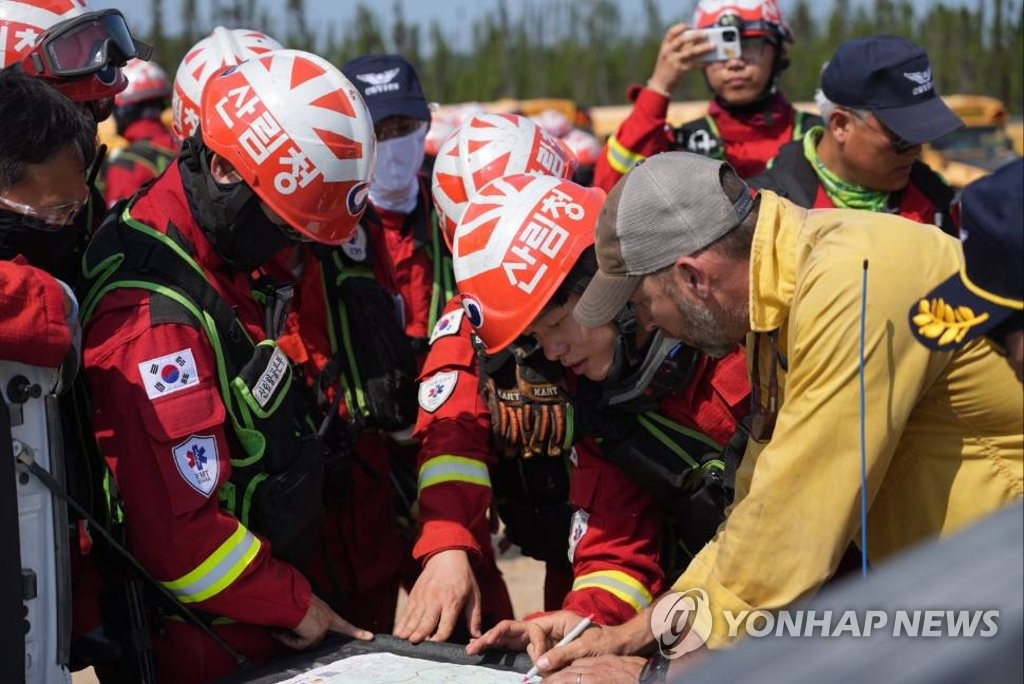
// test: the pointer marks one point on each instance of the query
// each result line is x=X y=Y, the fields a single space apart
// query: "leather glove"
x=547 y=407
x=506 y=407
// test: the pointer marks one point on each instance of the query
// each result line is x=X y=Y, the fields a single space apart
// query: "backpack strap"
x=938 y=193
x=790 y=176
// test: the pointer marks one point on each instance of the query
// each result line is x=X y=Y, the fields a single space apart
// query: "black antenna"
x=863 y=430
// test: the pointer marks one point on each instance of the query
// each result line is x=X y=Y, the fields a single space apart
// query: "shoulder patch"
x=437 y=390
x=197 y=462
x=449 y=324
x=577 y=530
x=355 y=249
x=169 y=374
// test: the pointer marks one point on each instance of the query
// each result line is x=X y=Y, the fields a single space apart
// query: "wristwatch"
x=655 y=669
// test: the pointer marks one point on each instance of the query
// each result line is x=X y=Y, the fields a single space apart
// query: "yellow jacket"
x=943 y=430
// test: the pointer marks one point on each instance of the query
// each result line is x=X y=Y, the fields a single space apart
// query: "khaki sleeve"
x=786 y=537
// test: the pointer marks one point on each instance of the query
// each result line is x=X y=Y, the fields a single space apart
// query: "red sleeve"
x=455 y=457
x=404 y=267
x=33 y=325
x=715 y=400
x=123 y=181
x=640 y=135
x=149 y=436
x=615 y=541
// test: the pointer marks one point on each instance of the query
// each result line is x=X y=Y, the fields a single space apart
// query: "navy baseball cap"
x=890 y=77
x=389 y=85
x=990 y=287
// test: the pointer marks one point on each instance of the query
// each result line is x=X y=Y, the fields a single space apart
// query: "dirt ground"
x=524 y=577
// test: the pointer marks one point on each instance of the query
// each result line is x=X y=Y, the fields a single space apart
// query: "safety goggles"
x=85 y=45
x=52 y=218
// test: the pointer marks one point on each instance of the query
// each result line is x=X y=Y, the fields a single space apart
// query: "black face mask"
x=51 y=250
x=229 y=213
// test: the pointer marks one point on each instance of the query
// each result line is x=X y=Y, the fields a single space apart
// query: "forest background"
x=591 y=51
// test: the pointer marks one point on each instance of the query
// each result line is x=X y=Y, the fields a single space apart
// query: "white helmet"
x=223 y=47
x=489 y=146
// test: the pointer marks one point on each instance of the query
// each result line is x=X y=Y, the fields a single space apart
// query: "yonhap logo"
x=681 y=622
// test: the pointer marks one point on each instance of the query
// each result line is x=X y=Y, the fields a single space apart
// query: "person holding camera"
x=749 y=118
x=879 y=104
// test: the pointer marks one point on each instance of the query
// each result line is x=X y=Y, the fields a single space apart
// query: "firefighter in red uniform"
x=410 y=259
x=42 y=191
x=151 y=146
x=208 y=438
x=457 y=453
x=523 y=254
x=879 y=103
x=343 y=329
x=749 y=117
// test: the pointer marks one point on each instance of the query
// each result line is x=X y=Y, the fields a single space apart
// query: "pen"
x=573 y=633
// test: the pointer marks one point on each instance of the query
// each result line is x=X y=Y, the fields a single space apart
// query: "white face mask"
x=395 y=183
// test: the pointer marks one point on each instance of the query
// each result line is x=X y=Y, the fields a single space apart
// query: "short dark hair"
x=580 y=275
x=737 y=242
x=36 y=123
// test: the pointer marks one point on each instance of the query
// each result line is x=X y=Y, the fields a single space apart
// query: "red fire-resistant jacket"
x=33 y=324
x=362 y=550
x=750 y=139
x=616 y=539
x=617 y=554
x=151 y=147
x=164 y=430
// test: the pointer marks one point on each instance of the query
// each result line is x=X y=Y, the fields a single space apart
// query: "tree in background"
x=585 y=50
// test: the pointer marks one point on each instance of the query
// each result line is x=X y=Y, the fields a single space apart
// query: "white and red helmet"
x=223 y=47
x=553 y=122
x=146 y=81
x=489 y=146
x=752 y=17
x=584 y=145
x=299 y=134
x=519 y=238
x=23 y=21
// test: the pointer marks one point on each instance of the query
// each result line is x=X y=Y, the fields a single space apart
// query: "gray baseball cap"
x=671 y=205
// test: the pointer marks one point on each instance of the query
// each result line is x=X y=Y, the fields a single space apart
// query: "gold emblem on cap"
x=935 y=319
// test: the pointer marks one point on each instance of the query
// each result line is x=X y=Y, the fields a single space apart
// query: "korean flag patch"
x=355 y=249
x=169 y=374
x=435 y=391
x=448 y=324
x=196 y=460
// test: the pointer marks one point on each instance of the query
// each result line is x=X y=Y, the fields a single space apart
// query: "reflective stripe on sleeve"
x=619 y=584
x=621 y=158
x=441 y=469
x=219 y=570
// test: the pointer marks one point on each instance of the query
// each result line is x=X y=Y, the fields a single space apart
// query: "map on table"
x=387 y=668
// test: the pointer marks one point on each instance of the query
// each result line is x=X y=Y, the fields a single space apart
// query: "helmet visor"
x=87 y=44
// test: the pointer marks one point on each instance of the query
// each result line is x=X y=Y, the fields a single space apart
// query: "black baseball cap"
x=389 y=85
x=890 y=77
x=990 y=287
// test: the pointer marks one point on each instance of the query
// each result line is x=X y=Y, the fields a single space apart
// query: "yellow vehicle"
x=978 y=148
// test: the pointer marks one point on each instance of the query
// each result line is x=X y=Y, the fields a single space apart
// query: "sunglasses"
x=899 y=145
x=397 y=127
x=85 y=45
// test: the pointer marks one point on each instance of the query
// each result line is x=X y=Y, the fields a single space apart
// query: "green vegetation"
x=584 y=50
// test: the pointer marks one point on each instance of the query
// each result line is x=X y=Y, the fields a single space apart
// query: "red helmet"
x=752 y=17
x=488 y=146
x=80 y=52
x=299 y=134
x=518 y=239
x=223 y=47
x=146 y=81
